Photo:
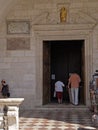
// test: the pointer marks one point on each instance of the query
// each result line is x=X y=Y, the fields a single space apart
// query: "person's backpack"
x=5 y=90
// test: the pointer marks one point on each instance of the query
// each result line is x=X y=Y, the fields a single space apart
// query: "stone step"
x=62 y=107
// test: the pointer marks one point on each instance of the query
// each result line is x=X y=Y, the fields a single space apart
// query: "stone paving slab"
x=60 y=119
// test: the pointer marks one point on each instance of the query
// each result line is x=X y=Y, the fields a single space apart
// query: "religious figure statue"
x=63 y=14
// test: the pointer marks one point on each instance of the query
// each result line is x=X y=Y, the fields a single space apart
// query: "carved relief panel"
x=18 y=43
x=18 y=27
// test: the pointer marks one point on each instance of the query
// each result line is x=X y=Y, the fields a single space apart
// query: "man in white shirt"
x=59 y=90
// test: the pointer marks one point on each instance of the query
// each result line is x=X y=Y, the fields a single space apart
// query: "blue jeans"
x=74 y=95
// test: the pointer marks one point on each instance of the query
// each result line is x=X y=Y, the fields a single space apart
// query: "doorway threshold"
x=64 y=106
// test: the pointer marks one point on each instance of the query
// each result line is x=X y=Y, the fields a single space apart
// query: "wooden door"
x=46 y=72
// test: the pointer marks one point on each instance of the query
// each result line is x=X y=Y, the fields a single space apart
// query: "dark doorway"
x=64 y=58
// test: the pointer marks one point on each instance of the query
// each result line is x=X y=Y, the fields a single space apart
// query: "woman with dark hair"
x=5 y=89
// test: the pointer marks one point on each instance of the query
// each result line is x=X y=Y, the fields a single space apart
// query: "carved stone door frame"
x=63 y=32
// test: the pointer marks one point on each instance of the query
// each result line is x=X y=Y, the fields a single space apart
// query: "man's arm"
x=69 y=84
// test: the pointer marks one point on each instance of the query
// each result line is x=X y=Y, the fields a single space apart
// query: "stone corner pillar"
x=9 y=113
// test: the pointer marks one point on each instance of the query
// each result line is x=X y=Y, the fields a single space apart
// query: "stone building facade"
x=30 y=30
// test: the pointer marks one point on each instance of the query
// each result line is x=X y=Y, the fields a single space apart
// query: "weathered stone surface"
x=18 y=44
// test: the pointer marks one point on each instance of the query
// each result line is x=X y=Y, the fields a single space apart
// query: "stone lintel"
x=63 y=27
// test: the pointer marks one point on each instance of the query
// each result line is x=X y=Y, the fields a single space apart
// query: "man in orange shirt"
x=74 y=82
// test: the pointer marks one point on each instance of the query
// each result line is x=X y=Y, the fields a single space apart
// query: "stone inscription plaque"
x=18 y=27
x=18 y=44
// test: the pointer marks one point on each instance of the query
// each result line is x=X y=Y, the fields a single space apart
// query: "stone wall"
x=18 y=63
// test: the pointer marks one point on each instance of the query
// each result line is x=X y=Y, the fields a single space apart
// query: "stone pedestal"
x=9 y=113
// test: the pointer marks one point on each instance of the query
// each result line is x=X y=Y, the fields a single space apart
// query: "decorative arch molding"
x=63 y=32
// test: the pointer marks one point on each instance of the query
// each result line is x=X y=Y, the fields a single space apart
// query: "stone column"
x=1 y=118
x=9 y=113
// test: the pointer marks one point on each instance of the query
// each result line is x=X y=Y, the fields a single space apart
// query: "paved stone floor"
x=72 y=118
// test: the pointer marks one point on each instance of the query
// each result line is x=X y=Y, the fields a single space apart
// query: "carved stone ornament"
x=45 y=18
x=18 y=27
x=81 y=18
x=63 y=14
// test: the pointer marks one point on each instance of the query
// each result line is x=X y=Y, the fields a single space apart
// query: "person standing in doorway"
x=69 y=90
x=59 y=91
x=74 y=82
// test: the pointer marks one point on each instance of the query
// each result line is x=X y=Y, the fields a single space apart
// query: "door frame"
x=50 y=32
x=46 y=72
